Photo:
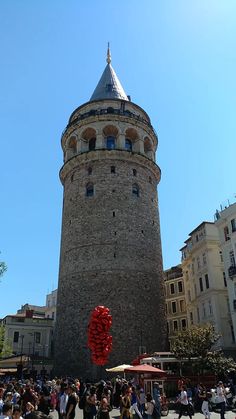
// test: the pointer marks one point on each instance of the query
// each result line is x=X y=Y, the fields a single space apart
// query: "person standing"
x=91 y=402
x=150 y=405
x=63 y=399
x=134 y=403
x=184 y=403
x=125 y=405
x=220 y=392
x=157 y=398
x=72 y=402
x=141 y=401
x=6 y=411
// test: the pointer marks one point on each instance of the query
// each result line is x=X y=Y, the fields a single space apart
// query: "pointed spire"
x=108 y=54
x=109 y=86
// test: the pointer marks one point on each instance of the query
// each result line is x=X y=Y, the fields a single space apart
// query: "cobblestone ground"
x=172 y=415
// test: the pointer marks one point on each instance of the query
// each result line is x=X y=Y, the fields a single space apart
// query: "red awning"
x=145 y=368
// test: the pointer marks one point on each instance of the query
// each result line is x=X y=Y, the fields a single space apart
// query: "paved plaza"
x=115 y=414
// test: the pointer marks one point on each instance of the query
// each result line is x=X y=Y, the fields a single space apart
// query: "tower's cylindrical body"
x=110 y=245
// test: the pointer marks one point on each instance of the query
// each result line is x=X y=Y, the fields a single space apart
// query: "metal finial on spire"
x=108 y=54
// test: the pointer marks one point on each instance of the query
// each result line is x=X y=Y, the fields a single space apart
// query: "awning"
x=7 y=370
x=119 y=368
x=145 y=368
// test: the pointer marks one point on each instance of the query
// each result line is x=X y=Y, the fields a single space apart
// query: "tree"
x=5 y=346
x=219 y=364
x=3 y=268
x=195 y=342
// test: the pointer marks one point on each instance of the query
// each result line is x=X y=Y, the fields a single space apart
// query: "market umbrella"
x=145 y=368
x=119 y=368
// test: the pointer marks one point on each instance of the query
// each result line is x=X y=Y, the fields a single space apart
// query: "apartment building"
x=225 y=221
x=175 y=301
x=205 y=282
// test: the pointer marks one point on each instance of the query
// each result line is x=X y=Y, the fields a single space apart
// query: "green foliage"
x=195 y=342
x=5 y=346
x=3 y=268
x=219 y=364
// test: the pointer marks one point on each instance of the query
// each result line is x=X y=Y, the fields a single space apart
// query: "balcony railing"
x=232 y=271
x=109 y=111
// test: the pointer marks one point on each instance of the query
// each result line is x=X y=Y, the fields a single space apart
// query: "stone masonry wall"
x=110 y=255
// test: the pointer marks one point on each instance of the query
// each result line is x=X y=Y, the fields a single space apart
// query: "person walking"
x=134 y=403
x=221 y=399
x=205 y=403
x=184 y=403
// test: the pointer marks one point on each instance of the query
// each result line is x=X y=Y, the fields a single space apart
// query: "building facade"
x=205 y=282
x=110 y=243
x=225 y=220
x=175 y=301
x=51 y=305
x=29 y=334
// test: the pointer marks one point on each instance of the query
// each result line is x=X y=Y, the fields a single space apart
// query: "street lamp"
x=21 y=349
x=20 y=366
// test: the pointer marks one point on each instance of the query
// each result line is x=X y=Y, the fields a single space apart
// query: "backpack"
x=82 y=401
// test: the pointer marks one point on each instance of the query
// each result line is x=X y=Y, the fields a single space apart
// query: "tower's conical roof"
x=109 y=86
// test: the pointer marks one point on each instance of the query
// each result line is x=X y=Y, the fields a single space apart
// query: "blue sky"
x=176 y=58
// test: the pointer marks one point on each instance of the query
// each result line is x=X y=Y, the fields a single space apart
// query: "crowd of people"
x=199 y=398
x=28 y=399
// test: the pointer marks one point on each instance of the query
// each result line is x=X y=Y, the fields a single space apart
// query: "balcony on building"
x=232 y=271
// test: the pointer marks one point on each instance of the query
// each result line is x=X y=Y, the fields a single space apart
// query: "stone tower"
x=110 y=243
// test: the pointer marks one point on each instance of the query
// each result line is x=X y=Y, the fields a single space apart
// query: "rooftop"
x=109 y=86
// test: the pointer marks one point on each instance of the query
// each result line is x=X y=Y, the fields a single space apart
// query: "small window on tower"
x=109 y=87
x=134 y=172
x=89 y=190
x=90 y=170
x=110 y=143
x=135 y=190
x=128 y=144
x=113 y=169
x=92 y=144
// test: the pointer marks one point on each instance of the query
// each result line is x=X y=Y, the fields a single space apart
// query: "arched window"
x=148 y=146
x=128 y=144
x=92 y=144
x=89 y=189
x=135 y=190
x=72 y=144
x=111 y=141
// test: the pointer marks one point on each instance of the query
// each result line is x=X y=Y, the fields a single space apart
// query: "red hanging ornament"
x=99 y=340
